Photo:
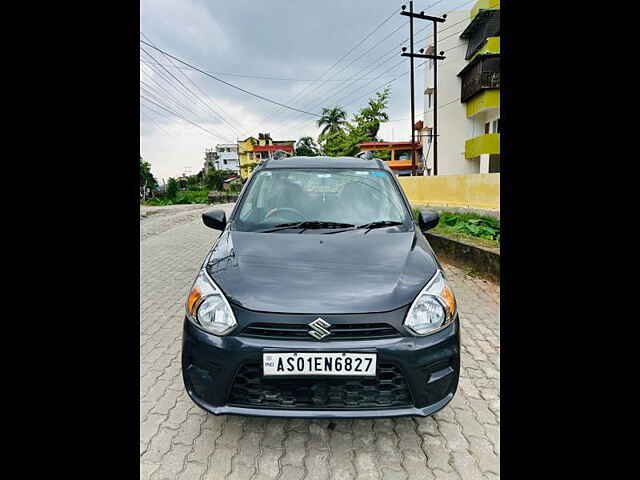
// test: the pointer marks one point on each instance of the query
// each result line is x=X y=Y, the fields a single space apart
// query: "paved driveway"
x=179 y=440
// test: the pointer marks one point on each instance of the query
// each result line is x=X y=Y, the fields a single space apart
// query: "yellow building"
x=468 y=94
x=253 y=152
x=246 y=156
x=480 y=89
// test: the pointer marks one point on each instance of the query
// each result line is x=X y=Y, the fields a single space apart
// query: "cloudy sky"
x=284 y=50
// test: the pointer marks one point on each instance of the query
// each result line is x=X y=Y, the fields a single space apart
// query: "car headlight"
x=208 y=308
x=433 y=309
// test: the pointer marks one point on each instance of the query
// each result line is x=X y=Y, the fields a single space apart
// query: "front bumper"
x=430 y=367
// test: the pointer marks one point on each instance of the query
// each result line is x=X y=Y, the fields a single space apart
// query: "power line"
x=205 y=95
x=349 y=52
x=149 y=88
x=354 y=78
x=378 y=63
x=149 y=117
x=178 y=115
x=258 y=77
x=227 y=83
x=184 y=86
x=352 y=92
x=159 y=98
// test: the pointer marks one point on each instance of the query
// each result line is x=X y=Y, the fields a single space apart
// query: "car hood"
x=347 y=272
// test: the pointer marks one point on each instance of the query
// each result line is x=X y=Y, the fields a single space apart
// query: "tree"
x=363 y=128
x=306 y=147
x=372 y=115
x=146 y=177
x=215 y=178
x=333 y=120
x=172 y=188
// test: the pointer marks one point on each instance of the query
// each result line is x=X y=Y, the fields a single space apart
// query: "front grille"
x=387 y=390
x=300 y=331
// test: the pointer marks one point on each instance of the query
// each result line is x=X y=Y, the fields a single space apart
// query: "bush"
x=172 y=188
x=467 y=224
x=481 y=227
x=181 y=198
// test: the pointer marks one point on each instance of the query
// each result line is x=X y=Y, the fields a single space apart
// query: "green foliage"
x=306 y=147
x=333 y=119
x=181 y=198
x=489 y=229
x=371 y=116
x=364 y=127
x=467 y=225
x=382 y=154
x=215 y=178
x=146 y=177
x=172 y=188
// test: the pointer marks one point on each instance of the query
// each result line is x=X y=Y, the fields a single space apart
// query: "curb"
x=481 y=260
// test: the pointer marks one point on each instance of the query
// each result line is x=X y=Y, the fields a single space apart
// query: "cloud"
x=278 y=38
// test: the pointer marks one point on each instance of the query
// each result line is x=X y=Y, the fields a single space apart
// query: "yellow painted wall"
x=478 y=190
x=245 y=155
x=492 y=46
x=484 y=4
x=482 y=101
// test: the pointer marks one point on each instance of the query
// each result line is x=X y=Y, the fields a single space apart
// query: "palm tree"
x=333 y=119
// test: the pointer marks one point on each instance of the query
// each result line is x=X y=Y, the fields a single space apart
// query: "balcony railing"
x=482 y=75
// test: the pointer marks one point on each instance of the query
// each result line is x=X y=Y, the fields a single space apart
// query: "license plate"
x=334 y=363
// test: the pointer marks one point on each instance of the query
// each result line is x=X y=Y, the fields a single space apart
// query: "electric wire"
x=227 y=83
x=206 y=96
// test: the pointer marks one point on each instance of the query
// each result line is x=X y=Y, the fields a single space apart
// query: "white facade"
x=454 y=128
x=225 y=157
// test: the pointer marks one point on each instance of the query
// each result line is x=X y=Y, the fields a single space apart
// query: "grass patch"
x=484 y=231
x=182 y=198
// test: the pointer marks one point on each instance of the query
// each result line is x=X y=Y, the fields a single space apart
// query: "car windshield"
x=281 y=199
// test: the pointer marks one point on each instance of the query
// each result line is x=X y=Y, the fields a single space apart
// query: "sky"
x=293 y=46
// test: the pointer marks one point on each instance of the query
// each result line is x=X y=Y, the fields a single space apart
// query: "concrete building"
x=468 y=93
x=223 y=157
x=246 y=156
x=209 y=159
x=254 y=151
x=397 y=155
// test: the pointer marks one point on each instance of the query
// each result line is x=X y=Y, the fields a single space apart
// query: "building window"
x=429 y=100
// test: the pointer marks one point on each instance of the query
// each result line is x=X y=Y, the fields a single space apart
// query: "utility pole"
x=413 y=55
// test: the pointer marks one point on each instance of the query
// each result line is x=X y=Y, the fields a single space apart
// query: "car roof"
x=325 y=162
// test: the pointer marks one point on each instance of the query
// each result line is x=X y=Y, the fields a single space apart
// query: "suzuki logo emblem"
x=319 y=327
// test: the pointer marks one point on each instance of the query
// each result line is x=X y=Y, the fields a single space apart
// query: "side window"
x=486 y=127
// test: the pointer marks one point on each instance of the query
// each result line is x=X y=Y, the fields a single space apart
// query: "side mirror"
x=427 y=219
x=216 y=219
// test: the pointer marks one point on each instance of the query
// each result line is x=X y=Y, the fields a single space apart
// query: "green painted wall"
x=488 y=143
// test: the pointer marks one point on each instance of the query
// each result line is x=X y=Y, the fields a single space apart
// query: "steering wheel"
x=275 y=211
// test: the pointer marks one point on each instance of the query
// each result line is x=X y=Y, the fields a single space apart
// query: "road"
x=178 y=440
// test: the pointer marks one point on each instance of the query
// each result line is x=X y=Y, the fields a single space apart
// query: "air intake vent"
x=300 y=331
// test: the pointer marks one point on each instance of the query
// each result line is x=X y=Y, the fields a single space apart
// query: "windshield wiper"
x=306 y=225
x=379 y=224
